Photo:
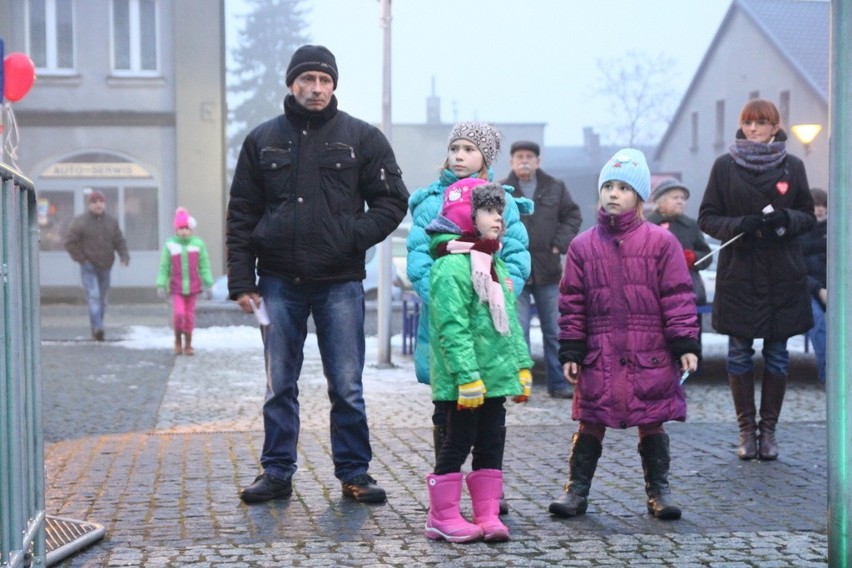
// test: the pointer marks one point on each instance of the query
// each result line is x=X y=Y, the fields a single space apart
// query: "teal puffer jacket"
x=425 y=204
x=465 y=346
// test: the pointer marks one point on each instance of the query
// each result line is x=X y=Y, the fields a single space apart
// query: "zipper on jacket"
x=341 y=146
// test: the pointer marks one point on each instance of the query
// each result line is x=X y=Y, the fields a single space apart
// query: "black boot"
x=742 y=391
x=654 y=450
x=585 y=452
x=771 y=398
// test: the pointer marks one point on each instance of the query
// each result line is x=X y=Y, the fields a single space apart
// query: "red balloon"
x=19 y=74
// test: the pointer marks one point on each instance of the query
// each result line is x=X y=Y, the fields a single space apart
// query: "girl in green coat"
x=478 y=358
x=184 y=273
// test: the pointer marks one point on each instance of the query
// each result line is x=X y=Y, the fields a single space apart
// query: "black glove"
x=777 y=219
x=750 y=223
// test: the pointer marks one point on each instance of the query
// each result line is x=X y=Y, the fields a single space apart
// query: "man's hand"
x=525 y=378
x=244 y=300
x=471 y=395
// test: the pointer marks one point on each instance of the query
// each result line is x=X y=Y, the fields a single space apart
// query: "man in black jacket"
x=297 y=232
x=555 y=221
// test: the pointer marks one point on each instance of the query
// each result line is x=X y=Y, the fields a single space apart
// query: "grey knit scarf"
x=758 y=156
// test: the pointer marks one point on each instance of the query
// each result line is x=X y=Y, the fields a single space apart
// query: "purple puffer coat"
x=626 y=296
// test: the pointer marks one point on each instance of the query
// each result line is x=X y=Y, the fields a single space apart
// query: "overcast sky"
x=502 y=60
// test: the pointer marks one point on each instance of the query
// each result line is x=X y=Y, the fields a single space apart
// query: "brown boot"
x=771 y=398
x=656 y=461
x=187 y=344
x=178 y=347
x=742 y=391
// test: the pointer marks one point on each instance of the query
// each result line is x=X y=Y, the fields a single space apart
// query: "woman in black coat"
x=759 y=194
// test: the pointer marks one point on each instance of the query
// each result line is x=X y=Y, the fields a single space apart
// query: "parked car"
x=708 y=275
x=219 y=291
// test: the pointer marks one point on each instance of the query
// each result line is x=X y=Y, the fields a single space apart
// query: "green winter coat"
x=465 y=346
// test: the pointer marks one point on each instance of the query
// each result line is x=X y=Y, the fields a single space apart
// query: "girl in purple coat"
x=628 y=329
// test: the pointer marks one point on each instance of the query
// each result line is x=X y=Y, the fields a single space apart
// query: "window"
x=134 y=37
x=140 y=207
x=50 y=34
x=720 y=124
x=693 y=144
x=784 y=108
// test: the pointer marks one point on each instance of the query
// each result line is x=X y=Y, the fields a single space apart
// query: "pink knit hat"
x=183 y=220
x=457 y=203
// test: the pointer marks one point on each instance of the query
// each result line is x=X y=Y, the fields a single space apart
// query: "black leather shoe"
x=266 y=488
x=363 y=489
x=567 y=393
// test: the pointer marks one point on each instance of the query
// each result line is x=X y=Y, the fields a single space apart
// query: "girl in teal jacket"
x=478 y=358
x=471 y=149
x=184 y=273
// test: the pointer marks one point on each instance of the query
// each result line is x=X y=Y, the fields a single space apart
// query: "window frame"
x=52 y=38
x=135 y=40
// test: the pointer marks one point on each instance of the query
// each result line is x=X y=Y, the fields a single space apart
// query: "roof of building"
x=799 y=29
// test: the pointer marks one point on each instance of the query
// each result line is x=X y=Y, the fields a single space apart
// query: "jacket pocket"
x=655 y=375
x=591 y=381
x=339 y=178
x=275 y=165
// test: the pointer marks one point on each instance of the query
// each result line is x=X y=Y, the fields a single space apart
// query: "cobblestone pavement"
x=156 y=448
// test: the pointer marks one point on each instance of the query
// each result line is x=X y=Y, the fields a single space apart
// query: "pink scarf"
x=484 y=278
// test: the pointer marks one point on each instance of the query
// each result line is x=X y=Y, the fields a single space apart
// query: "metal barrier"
x=22 y=516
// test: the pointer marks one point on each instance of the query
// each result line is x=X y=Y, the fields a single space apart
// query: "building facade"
x=776 y=50
x=129 y=100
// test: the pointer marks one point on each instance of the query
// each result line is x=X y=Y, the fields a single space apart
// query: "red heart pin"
x=782 y=187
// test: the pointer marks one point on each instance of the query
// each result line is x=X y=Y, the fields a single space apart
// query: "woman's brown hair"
x=760 y=109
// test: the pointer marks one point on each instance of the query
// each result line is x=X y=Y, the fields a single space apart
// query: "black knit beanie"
x=311 y=58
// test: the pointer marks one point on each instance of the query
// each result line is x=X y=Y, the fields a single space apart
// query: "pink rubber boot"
x=486 y=486
x=445 y=521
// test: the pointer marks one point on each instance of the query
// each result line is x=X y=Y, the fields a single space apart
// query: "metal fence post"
x=22 y=537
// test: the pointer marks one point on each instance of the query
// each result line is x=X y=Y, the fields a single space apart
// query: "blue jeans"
x=776 y=358
x=338 y=313
x=547 y=304
x=817 y=338
x=96 y=284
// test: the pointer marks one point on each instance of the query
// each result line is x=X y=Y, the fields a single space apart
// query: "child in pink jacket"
x=628 y=329
x=184 y=273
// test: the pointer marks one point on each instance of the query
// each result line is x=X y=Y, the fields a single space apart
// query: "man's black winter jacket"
x=297 y=201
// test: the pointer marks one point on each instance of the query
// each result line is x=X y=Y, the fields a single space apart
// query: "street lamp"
x=805 y=133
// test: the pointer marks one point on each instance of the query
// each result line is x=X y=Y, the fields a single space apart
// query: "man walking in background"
x=93 y=239
x=555 y=221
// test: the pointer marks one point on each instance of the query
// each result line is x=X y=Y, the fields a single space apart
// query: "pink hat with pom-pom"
x=183 y=220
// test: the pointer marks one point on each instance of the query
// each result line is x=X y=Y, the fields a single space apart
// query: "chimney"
x=592 y=144
x=433 y=107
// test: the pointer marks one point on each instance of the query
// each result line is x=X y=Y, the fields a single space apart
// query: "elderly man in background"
x=554 y=222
